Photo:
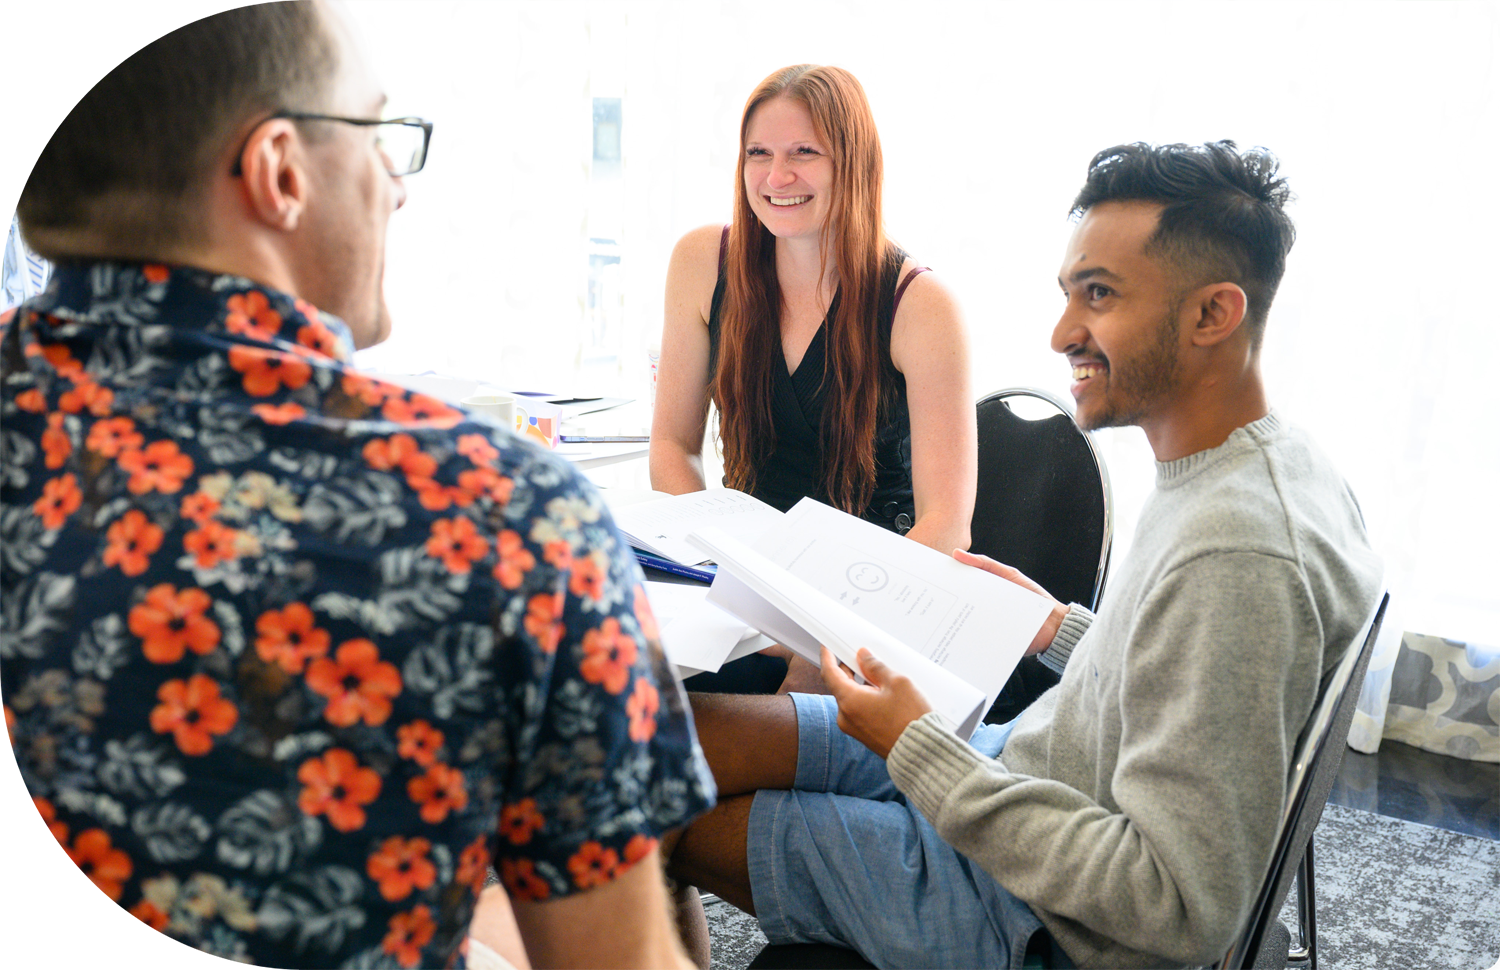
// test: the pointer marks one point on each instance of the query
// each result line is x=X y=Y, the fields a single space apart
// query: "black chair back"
x=1043 y=506
x=1042 y=502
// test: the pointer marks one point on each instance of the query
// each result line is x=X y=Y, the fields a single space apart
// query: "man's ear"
x=1221 y=309
x=274 y=175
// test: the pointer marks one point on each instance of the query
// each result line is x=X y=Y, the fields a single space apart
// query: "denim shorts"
x=843 y=859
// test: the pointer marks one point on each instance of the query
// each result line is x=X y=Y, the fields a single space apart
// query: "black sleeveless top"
x=795 y=467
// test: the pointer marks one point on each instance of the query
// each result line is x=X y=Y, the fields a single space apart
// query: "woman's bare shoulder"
x=694 y=270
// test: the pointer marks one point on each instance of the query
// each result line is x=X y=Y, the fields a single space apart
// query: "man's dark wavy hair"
x=1222 y=217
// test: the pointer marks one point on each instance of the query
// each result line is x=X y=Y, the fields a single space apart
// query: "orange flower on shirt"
x=486 y=481
x=434 y=497
x=56 y=444
x=457 y=543
x=358 y=684
x=400 y=452
x=211 y=544
x=609 y=653
x=316 y=336
x=639 y=846
x=544 y=620
x=156 y=273
x=170 y=623
x=15 y=891
x=250 y=315
x=60 y=499
x=368 y=389
x=87 y=394
x=62 y=360
x=336 y=786
x=194 y=713
x=105 y=948
x=521 y=880
x=559 y=553
x=107 y=866
x=641 y=708
x=147 y=912
x=439 y=791
x=593 y=865
x=284 y=413
x=160 y=466
x=477 y=448
x=473 y=863
x=132 y=539
x=31 y=400
x=415 y=408
x=520 y=821
x=515 y=559
x=588 y=575
x=288 y=637
x=266 y=371
x=199 y=507
x=6 y=733
x=408 y=934
x=41 y=819
x=113 y=437
x=401 y=865
x=419 y=741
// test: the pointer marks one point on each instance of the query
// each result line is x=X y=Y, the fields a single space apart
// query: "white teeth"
x=793 y=201
x=1086 y=370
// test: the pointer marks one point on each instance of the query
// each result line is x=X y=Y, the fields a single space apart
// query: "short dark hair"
x=130 y=160
x=1222 y=216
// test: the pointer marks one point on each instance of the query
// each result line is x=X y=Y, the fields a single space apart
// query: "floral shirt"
x=291 y=656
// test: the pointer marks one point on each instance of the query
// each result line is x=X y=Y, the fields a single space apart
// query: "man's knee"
x=750 y=740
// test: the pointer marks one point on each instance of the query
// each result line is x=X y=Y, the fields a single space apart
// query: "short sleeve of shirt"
x=605 y=756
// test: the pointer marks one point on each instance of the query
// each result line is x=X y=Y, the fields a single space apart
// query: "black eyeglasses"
x=403 y=141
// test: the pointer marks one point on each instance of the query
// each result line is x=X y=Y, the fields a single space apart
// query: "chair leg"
x=1305 y=954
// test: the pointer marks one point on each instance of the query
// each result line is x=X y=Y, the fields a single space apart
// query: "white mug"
x=501 y=407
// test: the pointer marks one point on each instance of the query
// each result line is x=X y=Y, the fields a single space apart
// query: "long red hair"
x=854 y=244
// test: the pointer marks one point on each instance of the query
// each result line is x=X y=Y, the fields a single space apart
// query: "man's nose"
x=398 y=191
x=1069 y=334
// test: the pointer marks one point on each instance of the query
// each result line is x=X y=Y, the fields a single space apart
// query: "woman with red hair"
x=838 y=366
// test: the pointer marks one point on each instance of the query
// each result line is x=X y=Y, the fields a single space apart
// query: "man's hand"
x=876 y=713
x=1043 y=638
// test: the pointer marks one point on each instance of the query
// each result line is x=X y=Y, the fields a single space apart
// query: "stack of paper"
x=696 y=634
x=822 y=577
x=662 y=526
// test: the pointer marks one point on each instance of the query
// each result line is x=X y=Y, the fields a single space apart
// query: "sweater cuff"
x=928 y=761
x=1074 y=626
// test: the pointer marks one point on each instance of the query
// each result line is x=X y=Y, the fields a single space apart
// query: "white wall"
x=1382 y=113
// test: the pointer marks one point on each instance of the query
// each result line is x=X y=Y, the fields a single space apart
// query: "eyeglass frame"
x=410 y=122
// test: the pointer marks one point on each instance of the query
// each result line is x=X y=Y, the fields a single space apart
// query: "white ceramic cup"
x=501 y=407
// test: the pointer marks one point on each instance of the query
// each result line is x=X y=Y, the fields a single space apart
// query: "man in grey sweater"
x=1127 y=817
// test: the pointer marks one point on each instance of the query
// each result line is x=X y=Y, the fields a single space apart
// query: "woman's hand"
x=1043 y=638
x=876 y=713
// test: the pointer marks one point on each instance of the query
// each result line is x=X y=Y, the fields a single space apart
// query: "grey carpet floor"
x=1391 y=894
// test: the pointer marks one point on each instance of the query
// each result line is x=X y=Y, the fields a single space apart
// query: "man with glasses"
x=291 y=657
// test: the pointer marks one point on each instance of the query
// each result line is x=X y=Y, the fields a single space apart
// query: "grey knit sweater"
x=1135 y=806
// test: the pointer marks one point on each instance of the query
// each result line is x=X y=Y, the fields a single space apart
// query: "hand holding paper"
x=1050 y=626
x=876 y=713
